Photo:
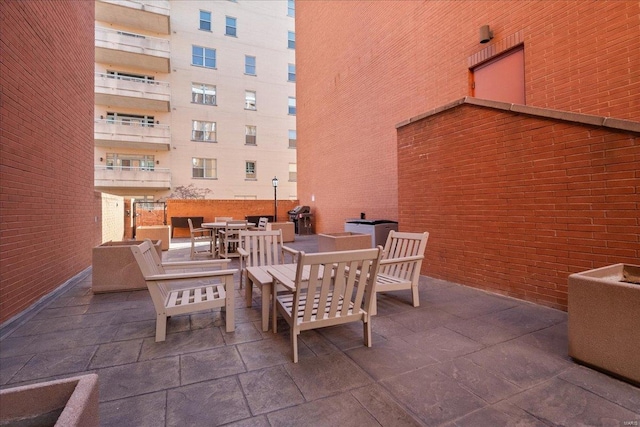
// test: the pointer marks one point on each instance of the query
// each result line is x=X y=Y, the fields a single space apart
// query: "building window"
x=291 y=44
x=292 y=73
x=204 y=168
x=249 y=100
x=203 y=57
x=250 y=169
x=203 y=94
x=250 y=135
x=292 y=106
x=292 y=138
x=250 y=65
x=205 y=20
x=291 y=8
x=203 y=131
x=230 y=28
x=293 y=172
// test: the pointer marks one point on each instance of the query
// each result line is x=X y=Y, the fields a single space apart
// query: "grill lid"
x=371 y=221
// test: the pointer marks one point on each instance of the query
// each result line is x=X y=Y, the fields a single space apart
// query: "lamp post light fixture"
x=274 y=182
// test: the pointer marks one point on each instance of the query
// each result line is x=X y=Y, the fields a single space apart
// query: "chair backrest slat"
x=401 y=245
x=338 y=280
x=264 y=247
x=150 y=263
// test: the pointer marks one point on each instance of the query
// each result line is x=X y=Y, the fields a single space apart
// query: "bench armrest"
x=402 y=260
x=290 y=251
x=194 y=275
x=242 y=251
x=197 y=264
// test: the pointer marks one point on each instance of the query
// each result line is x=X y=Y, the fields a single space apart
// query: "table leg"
x=248 y=291
x=266 y=300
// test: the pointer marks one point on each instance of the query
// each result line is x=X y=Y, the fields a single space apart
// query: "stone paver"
x=463 y=358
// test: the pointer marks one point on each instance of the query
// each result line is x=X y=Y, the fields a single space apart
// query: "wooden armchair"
x=210 y=288
x=259 y=249
x=229 y=238
x=328 y=289
x=200 y=235
x=400 y=264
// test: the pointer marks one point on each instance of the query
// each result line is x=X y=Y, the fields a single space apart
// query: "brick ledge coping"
x=586 y=119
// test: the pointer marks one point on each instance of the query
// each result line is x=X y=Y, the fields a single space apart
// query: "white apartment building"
x=195 y=94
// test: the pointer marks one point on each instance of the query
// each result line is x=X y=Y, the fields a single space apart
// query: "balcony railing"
x=132 y=49
x=114 y=177
x=153 y=6
x=128 y=134
x=131 y=92
x=148 y=15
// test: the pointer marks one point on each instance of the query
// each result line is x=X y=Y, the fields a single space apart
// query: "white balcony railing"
x=125 y=133
x=132 y=49
x=146 y=15
x=131 y=177
x=132 y=42
x=131 y=92
x=154 y=6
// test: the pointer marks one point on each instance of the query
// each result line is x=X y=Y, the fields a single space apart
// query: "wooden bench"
x=326 y=289
x=171 y=297
x=400 y=264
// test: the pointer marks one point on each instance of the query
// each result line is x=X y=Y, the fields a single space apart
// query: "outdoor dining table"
x=216 y=227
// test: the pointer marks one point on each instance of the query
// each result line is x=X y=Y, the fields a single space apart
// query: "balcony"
x=146 y=15
x=132 y=50
x=129 y=92
x=125 y=134
x=118 y=177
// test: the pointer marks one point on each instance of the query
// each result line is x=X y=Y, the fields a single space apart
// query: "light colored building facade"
x=196 y=95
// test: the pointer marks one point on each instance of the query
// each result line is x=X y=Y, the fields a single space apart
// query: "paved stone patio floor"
x=463 y=358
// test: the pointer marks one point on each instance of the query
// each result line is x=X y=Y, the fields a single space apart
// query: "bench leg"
x=266 y=301
x=415 y=298
x=367 y=332
x=230 y=324
x=161 y=328
x=294 y=343
x=248 y=291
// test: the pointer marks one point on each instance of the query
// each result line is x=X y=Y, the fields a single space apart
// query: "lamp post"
x=274 y=182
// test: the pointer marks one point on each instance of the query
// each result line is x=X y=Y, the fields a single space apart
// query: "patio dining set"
x=308 y=291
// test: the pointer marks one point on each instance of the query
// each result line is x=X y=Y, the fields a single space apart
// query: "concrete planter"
x=155 y=232
x=345 y=241
x=67 y=402
x=114 y=269
x=604 y=319
x=288 y=230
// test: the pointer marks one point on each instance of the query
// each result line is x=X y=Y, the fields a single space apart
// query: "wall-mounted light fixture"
x=485 y=34
x=101 y=159
x=157 y=162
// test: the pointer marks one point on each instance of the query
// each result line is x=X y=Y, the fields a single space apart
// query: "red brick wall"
x=363 y=67
x=514 y=204
x=49 y=211
x=238 y=209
